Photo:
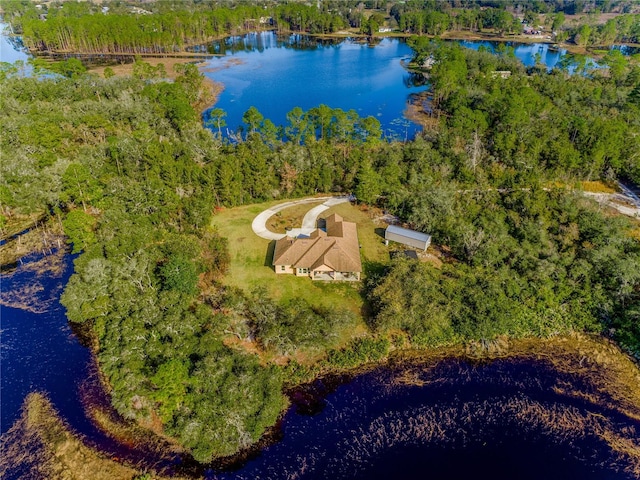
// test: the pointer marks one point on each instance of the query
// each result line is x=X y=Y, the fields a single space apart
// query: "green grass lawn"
x=251 y=256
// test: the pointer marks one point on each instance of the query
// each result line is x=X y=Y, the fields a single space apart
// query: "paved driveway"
x=308 y=222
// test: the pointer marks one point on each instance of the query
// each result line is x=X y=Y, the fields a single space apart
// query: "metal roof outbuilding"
x=407 y=237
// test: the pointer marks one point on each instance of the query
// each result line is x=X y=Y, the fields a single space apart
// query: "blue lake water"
x=526 y=53
x=11 y=49
x=276 y=75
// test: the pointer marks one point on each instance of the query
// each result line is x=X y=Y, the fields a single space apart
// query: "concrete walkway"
x=259 y=226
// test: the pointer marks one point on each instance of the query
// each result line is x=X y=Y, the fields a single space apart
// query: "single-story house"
x=333 y=254
x=407 y=237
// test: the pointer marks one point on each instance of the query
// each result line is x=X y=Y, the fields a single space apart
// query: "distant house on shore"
x=501 y=74
x=140 y=11
x=408 y=237
x=333 y=254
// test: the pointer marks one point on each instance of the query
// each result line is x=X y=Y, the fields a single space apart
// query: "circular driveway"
x=259 y=226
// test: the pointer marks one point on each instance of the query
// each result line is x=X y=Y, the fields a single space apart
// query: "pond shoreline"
x=610 y=375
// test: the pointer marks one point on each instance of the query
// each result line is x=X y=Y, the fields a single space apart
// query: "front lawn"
x=251 y=255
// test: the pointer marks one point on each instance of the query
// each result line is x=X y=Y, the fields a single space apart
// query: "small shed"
x=407 y=237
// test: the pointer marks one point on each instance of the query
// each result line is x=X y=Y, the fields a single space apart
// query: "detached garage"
x=407 y=237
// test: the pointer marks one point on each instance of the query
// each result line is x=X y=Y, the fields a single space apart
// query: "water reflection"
x=261 y=41
x=11 y=47
x=548 y=55
x=277 y=73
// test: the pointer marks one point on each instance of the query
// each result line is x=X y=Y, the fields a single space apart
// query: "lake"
x=277 y=73
x=11 y=48
x=526 y=52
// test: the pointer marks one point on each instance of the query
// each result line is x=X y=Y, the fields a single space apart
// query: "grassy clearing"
x=595 y=187
x=370 y=231
x=251 y=255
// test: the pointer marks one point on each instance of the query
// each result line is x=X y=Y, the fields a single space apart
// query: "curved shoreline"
x=611 y=377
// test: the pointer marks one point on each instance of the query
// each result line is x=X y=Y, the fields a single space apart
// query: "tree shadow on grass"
x=373 y=271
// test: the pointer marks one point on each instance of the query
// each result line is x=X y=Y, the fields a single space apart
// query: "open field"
x=251 y=255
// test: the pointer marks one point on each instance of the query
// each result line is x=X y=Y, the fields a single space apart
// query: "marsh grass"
x=130 y=434
x=596 y=187
x=18 y=223
x=43 y=237
x=38 y=295
x=40 y=446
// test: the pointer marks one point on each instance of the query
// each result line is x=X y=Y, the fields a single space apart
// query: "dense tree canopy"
x=165 y=27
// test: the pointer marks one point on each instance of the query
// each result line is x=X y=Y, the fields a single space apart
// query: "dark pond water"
x=455 y=420
x=38 y=351
x=465 y=421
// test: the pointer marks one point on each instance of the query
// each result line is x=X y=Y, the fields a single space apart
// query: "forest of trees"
x=166 y=26
x=127 y=167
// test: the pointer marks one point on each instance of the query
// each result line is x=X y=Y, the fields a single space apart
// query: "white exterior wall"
x=412 y=242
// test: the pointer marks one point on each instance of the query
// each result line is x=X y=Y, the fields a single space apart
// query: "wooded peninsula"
x=135 y=175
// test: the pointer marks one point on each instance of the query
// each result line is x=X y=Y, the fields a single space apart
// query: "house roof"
x=338 y=248
x=405 y=232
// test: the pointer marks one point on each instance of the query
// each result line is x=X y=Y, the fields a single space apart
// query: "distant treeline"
x=163 y=27
x=621 y=29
